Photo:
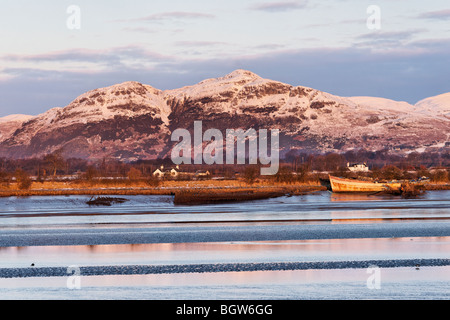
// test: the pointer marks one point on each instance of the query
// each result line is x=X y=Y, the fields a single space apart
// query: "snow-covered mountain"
x=438 y=105
x=131 y=121
x=16 y=118
x=127 y=120
x=383 y=105
x=9 y=124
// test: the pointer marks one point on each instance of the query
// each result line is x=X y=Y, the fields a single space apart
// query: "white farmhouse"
x=172 y=172
x=358 y=167
x=158 y=173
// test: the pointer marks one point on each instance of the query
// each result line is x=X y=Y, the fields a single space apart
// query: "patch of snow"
x=213 y=87
x=437 y=105
x=383 y=104
x=240 y=91
x=16 y=117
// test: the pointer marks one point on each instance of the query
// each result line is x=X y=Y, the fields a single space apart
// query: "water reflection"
x=397 y=283
x=345 y=197
x=229 y=252
x=322 y=207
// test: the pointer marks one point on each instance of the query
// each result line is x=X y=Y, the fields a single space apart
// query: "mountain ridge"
x=131 y=120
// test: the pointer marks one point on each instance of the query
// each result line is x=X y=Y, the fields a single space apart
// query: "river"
x=324 y=227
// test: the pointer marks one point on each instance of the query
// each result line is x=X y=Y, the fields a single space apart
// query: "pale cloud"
x=178 y=15
x=397 y=35
x=111 y=56
x=270 y=46
x=409 y=73
x=279 y=6
x=436 y=15
x=169 y=47
x=199 y=43
x=139 y=29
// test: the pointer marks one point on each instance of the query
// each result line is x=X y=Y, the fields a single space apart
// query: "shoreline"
x=185 y=189
x=201 y=190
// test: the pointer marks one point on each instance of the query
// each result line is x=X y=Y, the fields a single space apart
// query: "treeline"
x=296 y=166
x=54 y=165
x=374 y=159
x=383 y=166
x=303 y=173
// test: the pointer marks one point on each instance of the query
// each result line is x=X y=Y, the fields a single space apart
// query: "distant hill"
x=131 y=121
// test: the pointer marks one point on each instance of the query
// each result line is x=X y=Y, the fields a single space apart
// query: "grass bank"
x=185 y=192
x=233 y=189
x=437 y=186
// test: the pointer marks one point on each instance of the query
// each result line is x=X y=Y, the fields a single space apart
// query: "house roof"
x=166 y=170
x=357 y=164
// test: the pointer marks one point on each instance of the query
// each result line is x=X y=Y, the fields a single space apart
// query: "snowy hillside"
x=9 y=124
x=16 y=117
x=438 y=105
x=131 y=121
x=382 y=104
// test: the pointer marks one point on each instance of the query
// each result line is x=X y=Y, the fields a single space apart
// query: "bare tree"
x=23 y=179
x=251 y=173
x=55 y=161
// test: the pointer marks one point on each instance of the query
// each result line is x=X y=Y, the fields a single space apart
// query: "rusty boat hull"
x=350 y=185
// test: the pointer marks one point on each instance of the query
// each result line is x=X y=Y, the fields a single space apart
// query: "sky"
x=52 y=51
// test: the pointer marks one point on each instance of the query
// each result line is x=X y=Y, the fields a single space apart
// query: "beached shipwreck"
x=404 y=188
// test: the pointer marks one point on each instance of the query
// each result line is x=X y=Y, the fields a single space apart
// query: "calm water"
x=228 y=252
x=399 y=283
x=318 y=208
